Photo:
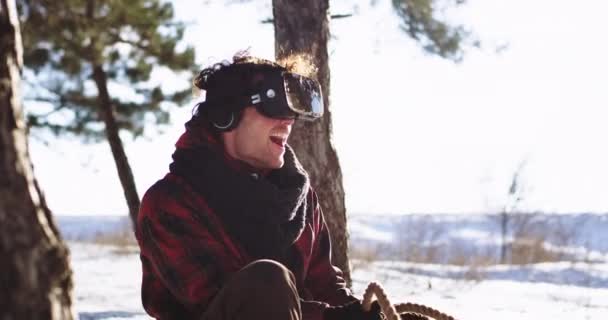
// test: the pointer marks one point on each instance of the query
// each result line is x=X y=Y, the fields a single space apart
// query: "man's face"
x=258 y=140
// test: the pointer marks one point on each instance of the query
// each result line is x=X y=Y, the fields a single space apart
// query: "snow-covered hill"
x=107 y=278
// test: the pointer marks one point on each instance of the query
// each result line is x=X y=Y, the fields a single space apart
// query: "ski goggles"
x=285 y=95
x=277 y=94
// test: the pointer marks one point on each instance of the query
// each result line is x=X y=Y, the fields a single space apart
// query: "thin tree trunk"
x=125 y=174
x=303 y=27
x=35 y=276
x=504 y=219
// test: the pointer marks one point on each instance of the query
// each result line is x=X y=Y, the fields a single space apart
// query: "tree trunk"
x=504 y=220
x=35 y=276
x=303 y=27
x=106 y=112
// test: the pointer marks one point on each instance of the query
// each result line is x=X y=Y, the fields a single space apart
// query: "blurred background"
x=414 y=132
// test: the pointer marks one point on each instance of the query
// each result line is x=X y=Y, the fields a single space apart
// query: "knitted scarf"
x=265 y=214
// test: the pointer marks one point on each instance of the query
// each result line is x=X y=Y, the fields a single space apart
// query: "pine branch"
x=117 y=38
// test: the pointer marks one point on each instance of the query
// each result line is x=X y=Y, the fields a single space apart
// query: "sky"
x=414 y=132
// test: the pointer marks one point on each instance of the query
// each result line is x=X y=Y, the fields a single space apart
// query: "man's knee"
x=268 y=273
x=264 y=289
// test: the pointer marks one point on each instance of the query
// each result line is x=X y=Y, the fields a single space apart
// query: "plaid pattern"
x=187 y=255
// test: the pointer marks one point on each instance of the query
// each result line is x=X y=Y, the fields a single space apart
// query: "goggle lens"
x=303 y=96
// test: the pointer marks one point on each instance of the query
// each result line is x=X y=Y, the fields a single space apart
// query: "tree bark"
x=106 y=112
x=35 y=276
x=303 y=27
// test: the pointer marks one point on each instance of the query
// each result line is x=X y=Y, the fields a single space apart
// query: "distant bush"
x=119 y=238
x=418 y=240
x=122 y=240
x=423 y=240
x=533 y=238
x=363 y=257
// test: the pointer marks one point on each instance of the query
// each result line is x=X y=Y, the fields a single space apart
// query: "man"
x=234 y=230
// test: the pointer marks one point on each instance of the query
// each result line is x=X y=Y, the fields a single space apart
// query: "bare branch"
x=332 y=17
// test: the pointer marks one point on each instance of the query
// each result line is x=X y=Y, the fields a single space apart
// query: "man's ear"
x=225 y=122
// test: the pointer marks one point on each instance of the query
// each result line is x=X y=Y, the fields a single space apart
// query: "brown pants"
x=264 y=289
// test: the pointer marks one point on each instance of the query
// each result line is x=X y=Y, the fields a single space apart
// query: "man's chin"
x=277 y=164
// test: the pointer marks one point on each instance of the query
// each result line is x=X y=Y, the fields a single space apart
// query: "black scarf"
x=265 y=214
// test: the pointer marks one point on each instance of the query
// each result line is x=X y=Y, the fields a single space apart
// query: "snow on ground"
x=510 y=293
x=107 y=282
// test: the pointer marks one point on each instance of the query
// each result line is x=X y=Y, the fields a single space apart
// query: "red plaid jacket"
x=187 y=255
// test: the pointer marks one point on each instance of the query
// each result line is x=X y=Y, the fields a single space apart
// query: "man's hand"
x=353 y=311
